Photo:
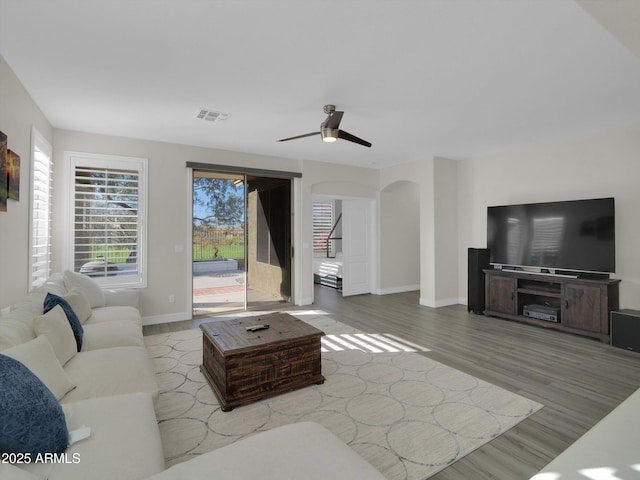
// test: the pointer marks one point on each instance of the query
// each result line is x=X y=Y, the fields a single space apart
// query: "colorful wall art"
x=13 y=175
x=3 y=172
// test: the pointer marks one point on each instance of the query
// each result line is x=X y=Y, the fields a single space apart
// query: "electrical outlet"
x=172 y=298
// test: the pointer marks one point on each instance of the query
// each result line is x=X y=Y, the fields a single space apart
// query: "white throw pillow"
x=77 y=281
x=9 y=334
x=80 y=304
x=38 y=356
x=55 y=326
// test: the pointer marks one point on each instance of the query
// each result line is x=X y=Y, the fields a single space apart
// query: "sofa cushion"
x=108 y=314
x=14 y=332
x=31 y=303
x=77 y=281
x=54 y=284
x=299 y=450
x=122 y=296
x=55 y=326
x=118 y=333
x=31 y=419
x=20 y=320
x=80 y=304
x=607 y=451
x=51 y=300
x=124 y=443
x=110 y=371
x=38 y=356
x=10 y=472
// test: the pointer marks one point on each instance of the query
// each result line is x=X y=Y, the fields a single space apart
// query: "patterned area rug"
x=407 y=415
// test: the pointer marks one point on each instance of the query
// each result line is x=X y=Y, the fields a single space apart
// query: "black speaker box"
x=478 y=260
x=625 y=329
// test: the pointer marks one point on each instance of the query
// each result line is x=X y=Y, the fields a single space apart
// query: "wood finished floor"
x=578 y=380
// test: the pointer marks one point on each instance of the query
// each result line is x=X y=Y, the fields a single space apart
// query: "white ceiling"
x=450 y=78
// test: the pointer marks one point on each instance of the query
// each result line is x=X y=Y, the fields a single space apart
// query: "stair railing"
x=330 y=238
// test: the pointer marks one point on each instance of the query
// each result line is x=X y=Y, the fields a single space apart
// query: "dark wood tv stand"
x=583 y=304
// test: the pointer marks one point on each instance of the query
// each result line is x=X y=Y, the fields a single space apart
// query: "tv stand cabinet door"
x=582 y=307
x=501 y=294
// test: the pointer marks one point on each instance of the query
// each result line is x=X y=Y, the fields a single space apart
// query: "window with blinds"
x=108 y=210
x=323 y=213
x=40 y=221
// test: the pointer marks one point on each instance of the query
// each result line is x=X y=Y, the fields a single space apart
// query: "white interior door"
x=358 y=237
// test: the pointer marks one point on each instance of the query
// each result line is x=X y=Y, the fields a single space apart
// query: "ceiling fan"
x=329 y=129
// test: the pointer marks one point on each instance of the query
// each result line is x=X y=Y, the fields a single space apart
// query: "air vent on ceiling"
x=212 y=115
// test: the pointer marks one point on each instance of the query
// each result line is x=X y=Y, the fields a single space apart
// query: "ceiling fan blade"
x=299 y=136
x=333 y=120
x=352 y=138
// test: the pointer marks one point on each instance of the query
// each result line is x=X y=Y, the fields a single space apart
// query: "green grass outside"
x=207 y=252
x=116 y=254
x=112 y=254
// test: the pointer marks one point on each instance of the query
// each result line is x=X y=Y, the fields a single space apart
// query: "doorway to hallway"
x=344 y=230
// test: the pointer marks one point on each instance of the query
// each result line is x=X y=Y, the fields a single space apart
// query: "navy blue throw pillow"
x=51 y=301
x=31 y=419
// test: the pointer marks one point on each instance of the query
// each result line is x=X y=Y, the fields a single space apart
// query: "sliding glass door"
x=219 y=243
x=269 y=242
x=241 y=242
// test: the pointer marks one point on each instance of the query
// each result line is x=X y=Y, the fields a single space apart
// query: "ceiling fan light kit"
x=328 y=134
x=329 y=129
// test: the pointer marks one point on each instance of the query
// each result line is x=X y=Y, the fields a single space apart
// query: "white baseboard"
x=400 y=289
x=168 y=318
x=305 y=301
x=438 y=303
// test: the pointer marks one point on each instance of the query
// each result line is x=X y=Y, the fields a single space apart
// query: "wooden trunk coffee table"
x=244 y=366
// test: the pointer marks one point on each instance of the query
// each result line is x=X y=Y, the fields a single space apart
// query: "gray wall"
x=18 y=113
x=445 y=204
x=602 y=164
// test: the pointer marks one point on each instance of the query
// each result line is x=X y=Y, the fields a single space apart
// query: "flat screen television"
x=570 y=236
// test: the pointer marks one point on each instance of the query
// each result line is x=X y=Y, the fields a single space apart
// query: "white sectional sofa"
x=609 y=450
x=108 y=386
x=59 y=381
x=299 y=451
